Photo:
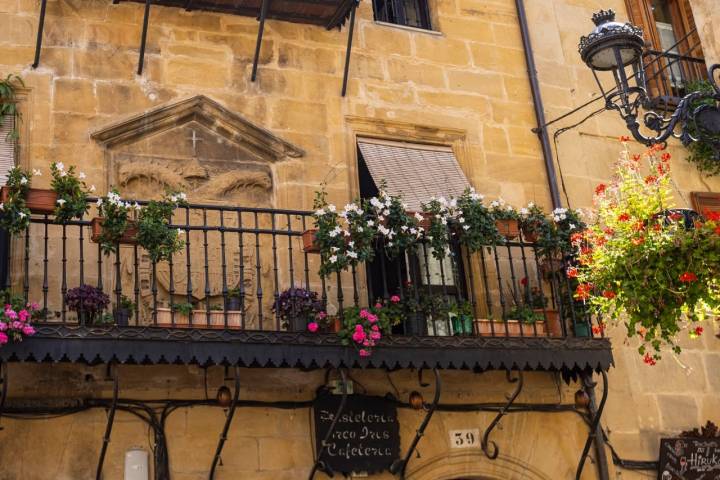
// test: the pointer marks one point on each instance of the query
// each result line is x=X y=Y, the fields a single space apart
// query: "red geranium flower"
x=598 y=329
x=649 y=359
x=665 y=157
x=650 y=179
x=712 y=216
x=572 y=272
x=624 y=217
x=609 y=294
x=638 y=241
x=688 y=277
x=657 y=227
x=717 y=230
x=600 y=189
x=698 y=331
x=583 y=291
x=524 y=281
x=624 y=138
x=609 y=231
x=576 y=238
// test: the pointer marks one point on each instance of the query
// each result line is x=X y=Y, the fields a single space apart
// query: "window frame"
x=399 y=12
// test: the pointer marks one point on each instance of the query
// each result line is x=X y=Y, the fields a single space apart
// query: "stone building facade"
x=462 y=85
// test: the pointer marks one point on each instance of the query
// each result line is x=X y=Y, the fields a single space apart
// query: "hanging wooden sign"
x=689 y=458
x=366 y=437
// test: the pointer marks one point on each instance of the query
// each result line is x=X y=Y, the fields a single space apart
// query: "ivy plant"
x=155 y=233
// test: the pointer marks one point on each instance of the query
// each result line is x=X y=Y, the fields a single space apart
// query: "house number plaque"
x=366 y=437
x=689 y=459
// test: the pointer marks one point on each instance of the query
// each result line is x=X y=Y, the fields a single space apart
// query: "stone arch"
x=475 y=465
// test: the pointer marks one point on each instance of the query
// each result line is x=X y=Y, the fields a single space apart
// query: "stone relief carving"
x=216 y=158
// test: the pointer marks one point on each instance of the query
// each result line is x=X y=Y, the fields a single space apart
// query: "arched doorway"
x=475 y=466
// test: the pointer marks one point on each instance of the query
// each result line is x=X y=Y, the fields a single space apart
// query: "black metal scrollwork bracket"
x=319 y=464
x=112 y=370
x=485 y=444
x=593 y=424
x=226 y=427
x=399 y=466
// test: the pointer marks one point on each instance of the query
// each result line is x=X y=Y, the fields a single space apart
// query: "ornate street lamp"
x=618 y=48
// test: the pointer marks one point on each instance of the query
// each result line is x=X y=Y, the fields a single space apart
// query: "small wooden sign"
x=366 y=437
x=689 y=458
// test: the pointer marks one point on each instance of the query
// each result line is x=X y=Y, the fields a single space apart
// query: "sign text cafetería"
x=366 y=437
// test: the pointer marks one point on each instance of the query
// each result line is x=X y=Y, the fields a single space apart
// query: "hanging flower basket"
x=309 y=240
x=128 y=238
x=508 y=228
x=38 y=200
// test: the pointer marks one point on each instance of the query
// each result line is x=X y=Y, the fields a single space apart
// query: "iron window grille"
x=410 y=13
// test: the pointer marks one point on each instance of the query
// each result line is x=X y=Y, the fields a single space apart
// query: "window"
x=674 y=58
x=411 y=13
x=7 y=147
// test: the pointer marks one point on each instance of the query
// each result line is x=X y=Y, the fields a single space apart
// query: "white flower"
x=320 y=212
x=36 y=172
x=419 y=217
x=180 y=231
x=444 y=221
x=466 y=227
x=531 y=205
x=376 y=203
x=453 y=203
x=572 y=226
x=344 y=214
x=352 y=254
x=351 y=244
x=334 y=232
x=63 y=173
x=413 y=231
x=404 y=228
x=2 y=206
x=494 y=204
x=346 y=233
x=61 y=201
x=99 y=202
x=461 y=219
x=333 y=258
x=334 y=249
x=21 y=214
x=390 y=244
x=182 y=196
x=359 y=229
x=509 y=208
x=60 y=166
x=382 y=229
x=524 y=211
x=370 y=223
x=331 y=208
x=405 y=206
x=476 y=196
x=92 y=188
x=386 y=212
x=23 y=181
x=82 y=175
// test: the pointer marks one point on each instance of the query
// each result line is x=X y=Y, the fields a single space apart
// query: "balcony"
x=236 y=263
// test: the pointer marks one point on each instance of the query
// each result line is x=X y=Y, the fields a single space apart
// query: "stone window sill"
x=409 y=28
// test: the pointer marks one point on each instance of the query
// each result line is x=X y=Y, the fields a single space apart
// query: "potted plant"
x=179 y=312
x=124 y=312
x=476 y=223
x=233 y=301
x=297 y=308
x=16 y=318
x=71 y=193
x=154 y=231
x=461 y=317
x=87 y=302
x=399 y=230
x=653 y=276
x=441 y=213
x=534 y=223
x=15 y=210
x=522 y=320
x=363 y=328
x=557 y=245
x=113 y=225
x=507 y=219
x=542 y=309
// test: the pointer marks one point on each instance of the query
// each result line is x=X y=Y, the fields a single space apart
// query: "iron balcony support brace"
x=143 y=39
x=399 y=466
x=261 y=28
x=41 y=26
x=110 y=420
x=351 y=30
x=595 y=431
x=3 y=386
x=319 y=464
x=503 y=411
x=226 y=427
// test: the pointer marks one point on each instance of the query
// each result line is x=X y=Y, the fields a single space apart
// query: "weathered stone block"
x=194 y=72
x=74 y=96
x=402 y=70
x=678 y=412
x=379 y=38
x=441 y=50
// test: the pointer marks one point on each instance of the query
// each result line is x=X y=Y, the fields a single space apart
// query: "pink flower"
x=24 y=315
x=378 y=305
x=33 y=306
x=8 y=306
x=395 y=299
x=359 y=336
x=372 y=318
x=375 y=328
x=376 y=335
x=364 y=353
x=28 y=330
x=3 y=326
x=322 y=315
x=366 y=343
x=364 y=313
x=11 y=314
x=358 y=328
x=16 y=325
x=313 y=327
x=3 y=338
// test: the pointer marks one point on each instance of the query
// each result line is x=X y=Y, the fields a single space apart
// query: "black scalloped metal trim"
x=304 y=350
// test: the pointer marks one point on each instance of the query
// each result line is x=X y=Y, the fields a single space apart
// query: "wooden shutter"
x=705 y=201
x=641 y=15
x=7 y=147
x=683 y=24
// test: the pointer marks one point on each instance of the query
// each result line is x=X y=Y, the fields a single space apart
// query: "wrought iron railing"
x=237 y=262
x=670 y=75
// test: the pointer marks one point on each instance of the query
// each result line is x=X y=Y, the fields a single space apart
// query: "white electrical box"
x=136 y=464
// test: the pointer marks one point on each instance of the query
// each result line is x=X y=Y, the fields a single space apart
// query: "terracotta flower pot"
x=488 y=328
x=128 y=238
x=37 y=200
x=165 y=318
x=530 y=235
x=552 y=320
x=309 y=241
x=508 y=228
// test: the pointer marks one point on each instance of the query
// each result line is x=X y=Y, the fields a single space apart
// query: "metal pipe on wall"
x=538 y=105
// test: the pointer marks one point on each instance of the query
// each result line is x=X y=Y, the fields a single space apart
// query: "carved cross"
x=194 y=139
